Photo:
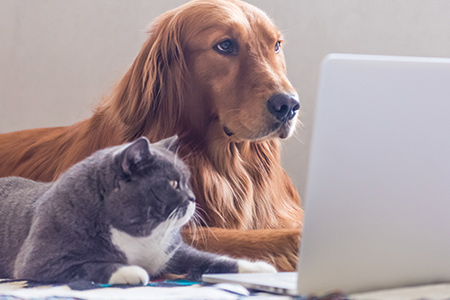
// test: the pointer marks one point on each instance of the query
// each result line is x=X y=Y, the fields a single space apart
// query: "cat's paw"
x=129 y=275
x=245 y=266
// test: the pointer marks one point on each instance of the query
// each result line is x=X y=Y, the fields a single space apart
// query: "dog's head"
x=223 y=63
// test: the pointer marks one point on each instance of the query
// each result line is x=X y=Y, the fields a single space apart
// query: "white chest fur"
x=146 y=252
x=150 y=252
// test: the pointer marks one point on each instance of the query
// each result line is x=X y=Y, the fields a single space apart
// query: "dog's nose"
x=283 y=106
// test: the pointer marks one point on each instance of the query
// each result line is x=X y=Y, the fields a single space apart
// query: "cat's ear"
x=170 y=143
x=134 y=155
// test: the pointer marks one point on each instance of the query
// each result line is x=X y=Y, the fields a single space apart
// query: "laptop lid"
x=377 y=205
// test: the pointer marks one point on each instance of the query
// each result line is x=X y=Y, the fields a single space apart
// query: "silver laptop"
x=377 y=205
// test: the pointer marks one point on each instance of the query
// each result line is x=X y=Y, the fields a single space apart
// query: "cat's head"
x=151 y=188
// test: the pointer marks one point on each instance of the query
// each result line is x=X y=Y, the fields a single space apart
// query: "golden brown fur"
x=217 y=104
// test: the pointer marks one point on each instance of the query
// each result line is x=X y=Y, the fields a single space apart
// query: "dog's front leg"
x=278 y=247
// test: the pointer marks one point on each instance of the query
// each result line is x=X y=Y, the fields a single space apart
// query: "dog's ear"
x=152 y=90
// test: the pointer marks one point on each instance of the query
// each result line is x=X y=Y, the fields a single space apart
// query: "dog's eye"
x=277 y=46
x=226 y=47
x=174 y=184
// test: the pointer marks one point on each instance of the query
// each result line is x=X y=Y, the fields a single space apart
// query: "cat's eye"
x=174 y=184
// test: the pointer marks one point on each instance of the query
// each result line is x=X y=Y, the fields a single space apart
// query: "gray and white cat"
x=112 y=218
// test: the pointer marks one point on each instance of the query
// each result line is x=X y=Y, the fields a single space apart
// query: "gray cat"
x=112 y=218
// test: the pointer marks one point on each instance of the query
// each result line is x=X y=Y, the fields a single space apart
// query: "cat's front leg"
x=134 y=275
x=63 y=271
x=225 y=264
x=245 y=266
x=194 y=263
x=115 y=273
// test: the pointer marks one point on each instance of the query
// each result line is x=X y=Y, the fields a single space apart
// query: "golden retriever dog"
x=213 y=72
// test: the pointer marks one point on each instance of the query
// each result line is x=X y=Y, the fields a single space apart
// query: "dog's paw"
x=129 y=275
x=245 y=266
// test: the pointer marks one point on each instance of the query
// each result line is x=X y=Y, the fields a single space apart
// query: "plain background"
x=57 y=58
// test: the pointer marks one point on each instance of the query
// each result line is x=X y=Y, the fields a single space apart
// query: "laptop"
x=377 y=204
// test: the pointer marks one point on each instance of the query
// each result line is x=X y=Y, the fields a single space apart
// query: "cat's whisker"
x=173 y=214
x=199 y=216
x=198 y=221
x=206 y=227
x=193 y=225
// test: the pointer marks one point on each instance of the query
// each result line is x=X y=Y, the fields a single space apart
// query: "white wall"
x=58 y=57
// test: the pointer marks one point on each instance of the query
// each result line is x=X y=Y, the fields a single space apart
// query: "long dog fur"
x=216 y=103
